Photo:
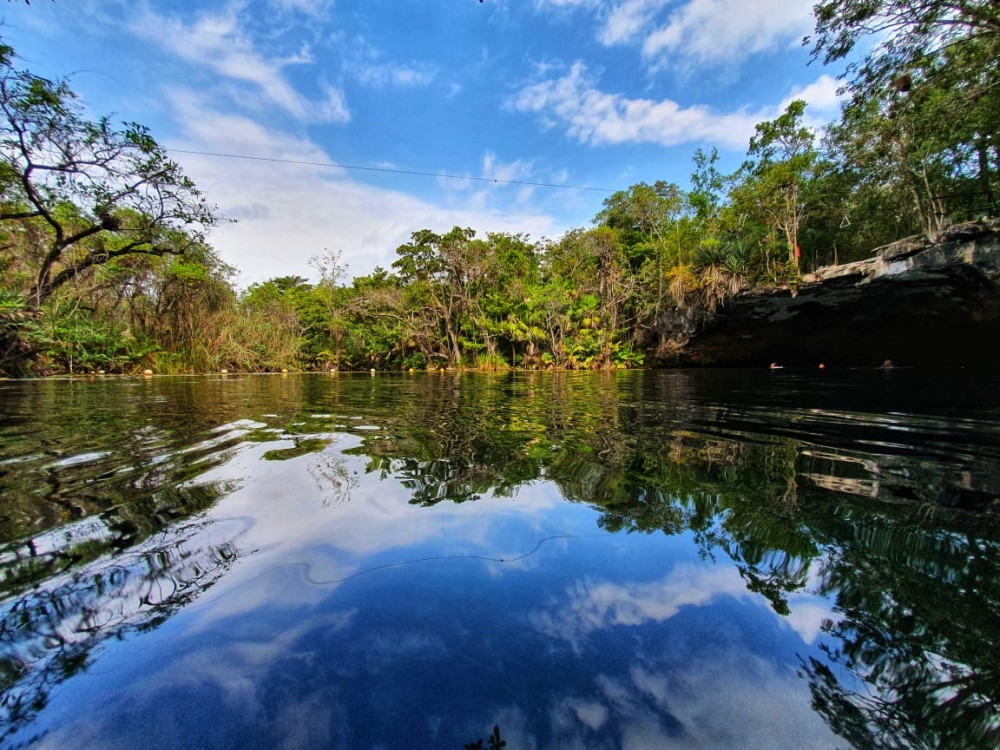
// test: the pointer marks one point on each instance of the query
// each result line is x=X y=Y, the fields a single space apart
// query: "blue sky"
x=583 y=93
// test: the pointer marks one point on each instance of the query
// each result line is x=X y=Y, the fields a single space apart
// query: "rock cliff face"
x=917 y=303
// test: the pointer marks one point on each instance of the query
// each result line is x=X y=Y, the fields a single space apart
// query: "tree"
x=644 y=216
x=929 y=93
x=707 y=188
x=594 y=266
x=910 y=29
x=648 y=222
x=504 y=305
x=786 y=160
x=443 y=273
x=85 y=193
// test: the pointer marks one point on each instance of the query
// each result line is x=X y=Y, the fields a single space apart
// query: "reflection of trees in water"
x=917 y=605
x=919 y=610
x=50 y=633
x=895 y=542
x=65 y=548
x=76 y=449
x=108 y=471
x=879 y=515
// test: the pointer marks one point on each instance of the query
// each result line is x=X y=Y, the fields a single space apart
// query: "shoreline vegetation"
x=105 y=263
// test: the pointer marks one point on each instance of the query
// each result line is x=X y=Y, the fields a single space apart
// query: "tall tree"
x=909 y=30
x=647 y=220
x=86 y=191
x=784 y=160
x=441 y=271
x=928 y=91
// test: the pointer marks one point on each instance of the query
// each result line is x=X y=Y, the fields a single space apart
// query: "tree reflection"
x=920 y=623
x=900 y=545
x=890 y=518
x=50 y=633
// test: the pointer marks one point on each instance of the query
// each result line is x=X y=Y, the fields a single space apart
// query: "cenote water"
x=713 y=559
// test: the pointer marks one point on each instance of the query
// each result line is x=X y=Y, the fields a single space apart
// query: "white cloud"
x=493 y=169
x=394 y=75
x=369 y=66
x=627 y=20
x=211 y=129
x=314 y=8
x=287 y=213
x=600 y=118
x=219 y=42
x=596 y=118
x=519 y=170
x=542 y=4
x=332 y=108
x=695 y=32
x=822 y=97
x=715 y=32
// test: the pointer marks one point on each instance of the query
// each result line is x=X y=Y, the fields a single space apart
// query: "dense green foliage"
x=103 y=264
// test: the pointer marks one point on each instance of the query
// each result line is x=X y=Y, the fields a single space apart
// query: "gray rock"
x=916 y=303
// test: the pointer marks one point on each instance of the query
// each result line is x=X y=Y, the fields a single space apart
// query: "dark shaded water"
x=613 y=560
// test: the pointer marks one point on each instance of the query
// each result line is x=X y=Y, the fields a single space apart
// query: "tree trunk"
x=985 y=178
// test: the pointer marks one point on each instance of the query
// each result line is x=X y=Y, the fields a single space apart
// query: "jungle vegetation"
x=104 y=262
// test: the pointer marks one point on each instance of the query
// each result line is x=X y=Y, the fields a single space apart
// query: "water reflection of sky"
x=355 y=619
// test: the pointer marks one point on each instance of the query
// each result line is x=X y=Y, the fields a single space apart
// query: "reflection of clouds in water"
x=268 y=588
x=738 y=700
x=83 y=733
x=300 y=537
x=726 y=698
x=515 y=729
x=239 y=667
x=333 y=478
x=807 y=615
x=288 y=507
x=732 y=700
x=591 y=714
x=386 y=648
x=597 y=605
x=311 y=723
x=251 y=679
x=808 y=612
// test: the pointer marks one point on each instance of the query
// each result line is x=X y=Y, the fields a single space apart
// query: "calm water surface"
x=596 y=560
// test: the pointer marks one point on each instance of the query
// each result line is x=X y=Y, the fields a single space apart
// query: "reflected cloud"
x=312 y=547
x=237 y=669
x=564 y=644
x=729 y=699
x=595 y=605
x=809 y=616
x=735 y=700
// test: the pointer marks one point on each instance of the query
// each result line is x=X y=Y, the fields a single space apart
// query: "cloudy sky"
x=587 y=95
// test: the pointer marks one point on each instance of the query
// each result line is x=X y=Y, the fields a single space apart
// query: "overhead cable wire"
x=335 y=165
